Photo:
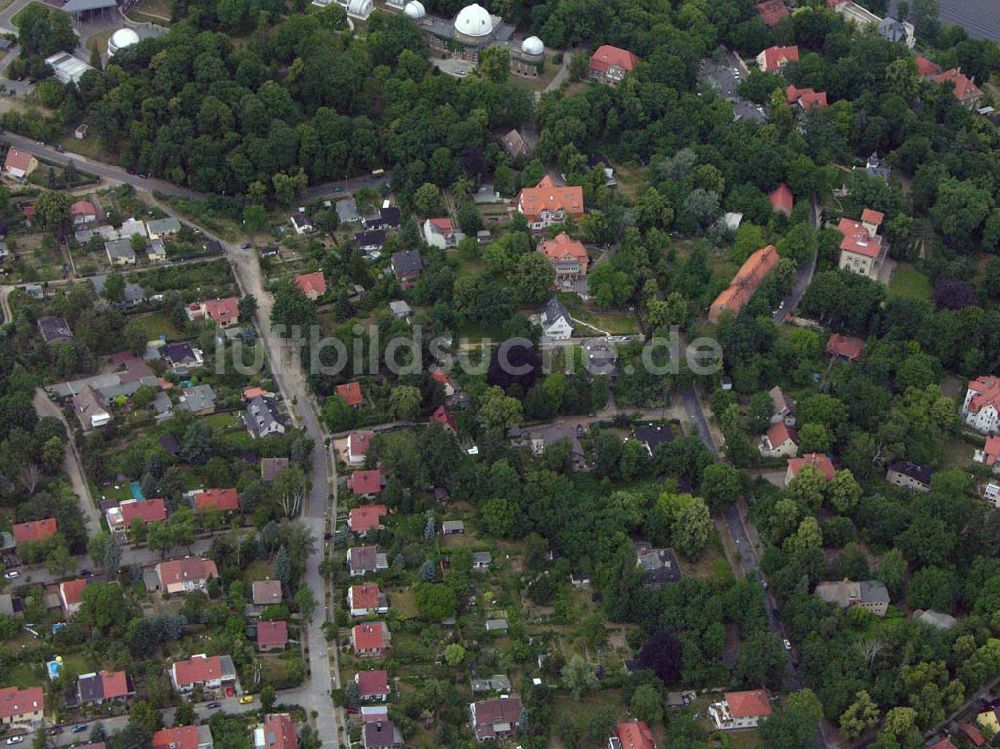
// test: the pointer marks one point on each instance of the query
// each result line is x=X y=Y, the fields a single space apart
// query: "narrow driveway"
x=803 y=276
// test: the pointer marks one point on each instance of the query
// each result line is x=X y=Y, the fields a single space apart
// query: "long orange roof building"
x=745 y=283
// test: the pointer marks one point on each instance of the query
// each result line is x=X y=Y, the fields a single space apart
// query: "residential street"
x=803 y=276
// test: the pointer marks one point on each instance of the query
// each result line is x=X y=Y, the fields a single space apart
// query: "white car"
x=11 y=574
x=787 y=644
x=15 y=740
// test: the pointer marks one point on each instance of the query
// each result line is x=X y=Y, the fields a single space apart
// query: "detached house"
x=184 y=737
x=366 y=518
x=990 y=454
x=820 y=461
x=365 y=483
x=216 y=500
x=357 y=447
x=441 y=233
x=862 y=250
x=266 y=592
x=223 y=312
x=370 y=639
x=373 y=686
x=185 y=575
x=871 y=595
x=780 y=441
x=568 y=257
x=19 y=164
x=496 y=718
x=443 y=417
x=121 y=518
x=83 y=213
x=104 y=686
x=632 y=734
x=740 y=710
x=367 y=599
x=773 y=59
x=782 y=200
x=966 y=91
x=272 y=635
x=209 y=672
x=262 y=417
x=313 y=285
x=364 y=559
x=276 y=732
x=351 y=393
x=909 y=476
x=21 y=705
x=744 y=284
x=845 y=347
x=772 y=11
x=981 y=407
x=556 y=321
x=34 y=531
x=406 y=267
x=546 y=203
x=381 y=733
x=609 y=65
x=71 y=595
x=805 y=98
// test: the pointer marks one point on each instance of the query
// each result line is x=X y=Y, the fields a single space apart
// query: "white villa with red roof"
x=981 y=407
x=775 y=58
x=740 y=710
x=862 y=250
x=373 y=686
x=201 y=670
x=441 y=233
x=780 y=441
x=609 y=65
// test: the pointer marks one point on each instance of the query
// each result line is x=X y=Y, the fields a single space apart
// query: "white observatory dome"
x=360 y=8
x=532 y=46
x=121 y=39
x=415 y=9
x=474 y=20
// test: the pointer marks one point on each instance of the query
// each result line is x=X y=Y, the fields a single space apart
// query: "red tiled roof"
x=564 y=246
x=819 y=460
x=744 y=283
x=845 y=346
x=17 y=159
x=489 y=713
x=226 y=500
x=311 y=283
x=607 y=56
x=146 y=510
x=350 y=392
x=373 y=683
x=944 y=743
x=547 y=196
x=857 y=239
x=114 y=684
x=368 y=636
x=270 y=634
x=635 y=734
x=925 y=67
x=359 y=441
x=198 y=670
x=870 y=216
x=443 y=417
x=191 y=568
x=443 y=224
x=182 y=737
x=34 y=530
x=365 y=517
x=748 y=704
x=266 y=592
x=223 y=311
x=964 y=87
x=782 y=199
x=992 y=450
x=772 y=11
x=987 y=393
x=72 y=590
x=439 y=376
x=279 y=732
x=972 y=733
x=16 y=702
x=807 y=98
x=366 y=596
x=779 y=433
x=82 y=208
x=254 y=391
x=365 y=482
x=775 y=57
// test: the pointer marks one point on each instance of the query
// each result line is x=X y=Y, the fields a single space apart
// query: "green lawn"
x=22 y=676
x=16 y=20
x=909 y=282
x=157 y=324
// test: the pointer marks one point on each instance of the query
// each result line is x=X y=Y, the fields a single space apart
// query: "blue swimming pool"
x=136 y=490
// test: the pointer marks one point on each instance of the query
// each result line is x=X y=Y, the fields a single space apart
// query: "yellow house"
x=988 y=721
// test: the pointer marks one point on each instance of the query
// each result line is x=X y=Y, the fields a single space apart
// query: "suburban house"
x=104 y=686
x=773 y=59
x=568 y=257
x=609 y=65
x=71 y=595
x=441 y=233
x=869 y=594
x=515 y=145
x=366 y=518
x=481 y=560
x=944 y=743
x=373 y=686
x=19 y=164
x=198 y=400
x=909 y=475
x=370 y=241
x=772 y=11
x=555 y=321
x=313 y=285
x=898 y=32
x=301 y=221
x=406 y=267
x=357 y=447
x=862 y=250
x=184 y=575
x=271 y=467
x=83 y=213
x=744 y=284
x=367 y=599
x=443 y=417
x=272 y=635
x=209 y=672
x=388 y=217
x=184 y=737
x=780 y=441
x=224 y=312
x=652 y=436
x=120 y=251
x=935 y=619
x=90 y=410
x=34 y=531
x=365 y=483
x=162 y=227
x=452 y=527
x=632 y=734
x=129 y=511
x=265 y=592
x=782 y=200
x=981 y=407
x=182 y=354
x=546 y=203
x=364 y=559
x=990 y=453
x=783 y=406
x=370 y=638
x=347 y=211
x=262 y=417
x=53 y=329
x=216 y=500
x=495 y=718
x=966 y=91
x=444 y=381
x=400 y=309
x=21 y=705
x=381 y=734
x=845 y=347
x=819 y=460
x=351 y=393
x=495 y=683
x=659 y=567
x=973 y=734
x=805 y=98
x=740 y=710
x=276 y=732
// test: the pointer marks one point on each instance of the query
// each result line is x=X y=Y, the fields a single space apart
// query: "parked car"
x=246 y=699
x=787 y=644
x=79 y=728
x=11 y=574
x=15 y=740
x=55 y=730
x=213 y=705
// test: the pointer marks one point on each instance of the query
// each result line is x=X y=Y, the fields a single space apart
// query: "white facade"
x=559 y=329
x=985 y=420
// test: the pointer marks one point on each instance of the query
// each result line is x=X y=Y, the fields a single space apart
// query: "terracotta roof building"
x=276 y=732
x=370 y=638
x=184 y=737
x=744 y=284
x=609 y=65
x=443 y=417
x=845 y=347
x=19 y=164
x=862 y=250
x=775 y=58
x=806 y=98
x=34 y=531
x=184 y=575
x=366 y=599
x=782 y=200
x=71 y=595
x=372 y=685
x=568 y=257
x=779 y=441
x=819 y=460
x=220 y=500
x=365 y=483
x=272 y=635
x=966 y=91
x=546 y=203
x=313 y=285
x=357 y=447
x=207 y=671
x=21 y=705
x=633 y=734
x=366 y=517
x=981 y=407
x=350 y=392
x=772 y=11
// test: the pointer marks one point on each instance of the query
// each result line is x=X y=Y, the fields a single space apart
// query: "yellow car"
x=246 y=699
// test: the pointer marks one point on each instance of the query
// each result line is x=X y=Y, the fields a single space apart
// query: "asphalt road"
x=803 y=276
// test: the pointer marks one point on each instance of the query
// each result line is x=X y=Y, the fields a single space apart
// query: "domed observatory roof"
x=474 y=20
x=532 y=46
x=360 y=8
x=121 y=39
x=414 y=9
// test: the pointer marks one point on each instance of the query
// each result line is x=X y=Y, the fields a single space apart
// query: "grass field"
x=157 y=324
x=908 y=282
x=16 y=20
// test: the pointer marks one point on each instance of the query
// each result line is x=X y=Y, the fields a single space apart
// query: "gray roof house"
x=555 y=320
x=347 y=211
x=198 y=400
x=53 y=329
x=659 y=566
x=496 y=683
x=400 y=309
x=869 y=594
x=263 y=418
x=900 y=32
x=120 y=251
x=162 y=227
x=496 y=625
x=162 y=407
